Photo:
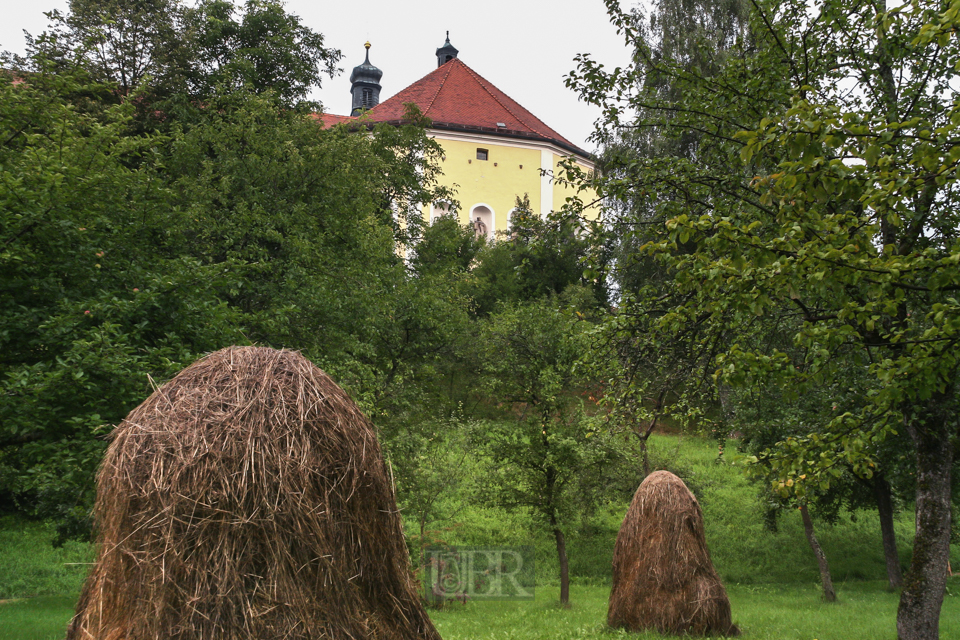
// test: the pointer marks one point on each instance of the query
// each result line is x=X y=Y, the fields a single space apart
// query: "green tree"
x=694 y=80
x=174 y=56
x=537 y=258
x=123 y=42
x=93 y=302
x=445 y=246
x=126 y=256
x=308 y=215
x=841 y=216
x=263 y=49
x=547 y=451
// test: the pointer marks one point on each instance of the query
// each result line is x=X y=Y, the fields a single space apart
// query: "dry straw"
x=663 y=578
x=248 y=498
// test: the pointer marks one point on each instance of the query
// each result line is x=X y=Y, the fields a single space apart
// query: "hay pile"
x=663 y=578
x=248 y=498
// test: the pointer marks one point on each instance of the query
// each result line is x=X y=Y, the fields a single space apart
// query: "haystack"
x=248 y=498
x=663 y=578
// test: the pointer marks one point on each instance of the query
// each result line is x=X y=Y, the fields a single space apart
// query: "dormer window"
x=482 y=154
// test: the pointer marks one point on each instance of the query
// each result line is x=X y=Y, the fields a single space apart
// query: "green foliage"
x=265 y=50
x=127 y=256
x=122 y=42
x=538 y=258
x=93 y=301
x=165 y=50
x=445 y=246
x=808 y=232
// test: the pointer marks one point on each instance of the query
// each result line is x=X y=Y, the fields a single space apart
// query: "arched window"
x=510 y=218
x=483 y=220
x=440 y=209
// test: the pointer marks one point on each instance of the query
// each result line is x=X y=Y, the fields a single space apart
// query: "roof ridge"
x=439 y=87
x=483 y=83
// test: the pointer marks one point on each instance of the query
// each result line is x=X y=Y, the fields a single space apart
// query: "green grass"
x=866 y=611
x=772 y=578
x=31 y=566
x=41 y=618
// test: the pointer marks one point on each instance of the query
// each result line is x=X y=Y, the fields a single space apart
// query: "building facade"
x=494 y=150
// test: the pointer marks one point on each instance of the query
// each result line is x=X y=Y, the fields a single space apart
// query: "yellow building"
x=494 y=149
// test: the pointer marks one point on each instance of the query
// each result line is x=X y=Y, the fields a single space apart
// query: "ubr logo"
x=479 y=573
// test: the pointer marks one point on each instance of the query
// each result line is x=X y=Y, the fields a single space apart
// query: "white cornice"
x=504 y=141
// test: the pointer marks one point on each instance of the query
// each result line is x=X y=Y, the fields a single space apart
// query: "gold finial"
x=366 y=45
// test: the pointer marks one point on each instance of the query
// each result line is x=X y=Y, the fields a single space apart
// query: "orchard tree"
x=529 y=356
x=837 y=210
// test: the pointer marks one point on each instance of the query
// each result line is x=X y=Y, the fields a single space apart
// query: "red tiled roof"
x=454 y=96
x=328 y=120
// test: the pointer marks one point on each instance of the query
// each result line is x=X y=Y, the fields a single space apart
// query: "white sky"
x=523 y=47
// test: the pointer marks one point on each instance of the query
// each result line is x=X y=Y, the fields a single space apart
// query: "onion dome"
x=365 y=85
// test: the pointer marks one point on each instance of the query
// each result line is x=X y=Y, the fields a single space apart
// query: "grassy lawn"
x=40 y=618
x=866 y=611
x=31 y=566
x=771 y=576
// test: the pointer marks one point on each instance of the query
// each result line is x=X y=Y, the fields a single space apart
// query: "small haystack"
x=663 y=578
x=248 y=498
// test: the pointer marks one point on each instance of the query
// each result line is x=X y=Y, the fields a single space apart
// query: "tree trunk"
x=918 y=617
x=646 y=458
x=564 y=567
x=550 y=509
x=885 y=508
x=828 y=593
x=423 y=526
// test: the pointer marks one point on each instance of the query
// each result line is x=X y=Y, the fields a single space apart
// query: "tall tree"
x=684 y=97
x=126 y=256
x=123 y=41
x=841 y=215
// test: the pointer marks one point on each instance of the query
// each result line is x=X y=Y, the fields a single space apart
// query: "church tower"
x=446 y=53
x=365 y=85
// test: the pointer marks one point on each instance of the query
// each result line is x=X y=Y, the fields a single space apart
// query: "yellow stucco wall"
x=512 y=169
x=563 y=191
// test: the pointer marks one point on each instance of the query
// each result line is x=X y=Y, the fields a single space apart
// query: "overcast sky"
x=523 y=47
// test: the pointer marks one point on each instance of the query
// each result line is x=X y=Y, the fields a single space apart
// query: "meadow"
x=771 y=576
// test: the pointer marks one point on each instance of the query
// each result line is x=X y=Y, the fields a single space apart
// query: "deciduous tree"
x=529 y=355
x=841 y=214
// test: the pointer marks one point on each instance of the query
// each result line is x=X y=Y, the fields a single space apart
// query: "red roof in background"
x=329 y=120
x=455 y=97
